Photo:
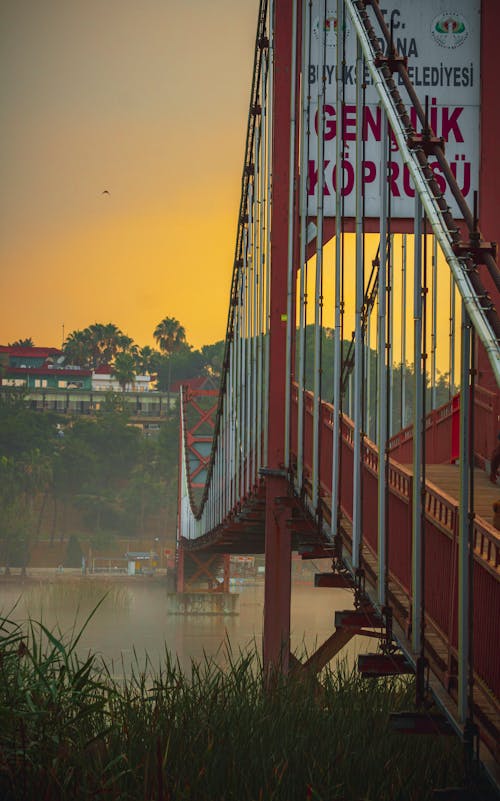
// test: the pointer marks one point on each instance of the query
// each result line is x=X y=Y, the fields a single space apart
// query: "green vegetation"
x=96 y=477
x=99 y=476
x=70 y=731
x=96 y=345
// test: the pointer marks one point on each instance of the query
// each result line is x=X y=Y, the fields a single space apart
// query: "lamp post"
x=155 y=548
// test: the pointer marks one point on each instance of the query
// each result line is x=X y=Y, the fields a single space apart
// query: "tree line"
x=93 y=478
x=100 y=476
x=174 y=359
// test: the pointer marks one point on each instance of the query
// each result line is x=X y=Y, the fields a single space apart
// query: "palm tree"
x=124 y=369
x=77 y=348
x=146 y=360
x=106 y=342
x=171 y=337
x=22 y=343
x=95 y=345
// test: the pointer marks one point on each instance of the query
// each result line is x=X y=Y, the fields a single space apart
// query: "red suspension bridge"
x=358 y=406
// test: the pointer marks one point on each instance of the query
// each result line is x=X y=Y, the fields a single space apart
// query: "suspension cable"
x=261 y=48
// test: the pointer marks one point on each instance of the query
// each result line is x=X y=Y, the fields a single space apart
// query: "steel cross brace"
x=203 y=567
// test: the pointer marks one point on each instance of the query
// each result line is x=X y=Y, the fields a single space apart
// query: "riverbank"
x=52 y=574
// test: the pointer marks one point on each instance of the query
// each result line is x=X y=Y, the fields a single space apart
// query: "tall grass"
x=68 y=730
x=76 y=594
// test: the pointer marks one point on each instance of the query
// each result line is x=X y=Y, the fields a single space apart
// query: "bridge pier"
x=278 y=546
x=278 y=582
x=202 y=569
x=202 y=603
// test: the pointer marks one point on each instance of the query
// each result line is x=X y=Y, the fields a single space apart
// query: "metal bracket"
x=474 y=248
x=393 y=62
x=428 y=144
x=359 y=588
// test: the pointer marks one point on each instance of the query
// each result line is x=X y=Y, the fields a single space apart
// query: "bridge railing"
x=441 y=546
x=443 y=427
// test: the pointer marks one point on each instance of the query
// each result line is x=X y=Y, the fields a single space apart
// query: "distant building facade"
x=44 y=368
x=104 y=380
x=49 y=385
x=40 y=368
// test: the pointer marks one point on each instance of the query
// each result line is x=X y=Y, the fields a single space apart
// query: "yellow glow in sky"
x=146 y=100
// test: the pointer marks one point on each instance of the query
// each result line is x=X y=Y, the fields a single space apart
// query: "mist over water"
x=133 y=620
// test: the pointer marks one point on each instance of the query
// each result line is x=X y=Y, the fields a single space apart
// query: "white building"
x=102 y=379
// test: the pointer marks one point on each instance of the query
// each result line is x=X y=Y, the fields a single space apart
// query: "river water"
x=133 y=619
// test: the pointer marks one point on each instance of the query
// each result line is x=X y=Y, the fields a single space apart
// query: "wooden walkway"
x=446 y=478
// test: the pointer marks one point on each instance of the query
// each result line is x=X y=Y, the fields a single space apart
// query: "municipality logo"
x=449 y=29
x=327 y=27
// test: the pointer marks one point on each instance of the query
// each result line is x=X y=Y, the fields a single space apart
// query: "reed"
x=69 y=730
x=80 y=593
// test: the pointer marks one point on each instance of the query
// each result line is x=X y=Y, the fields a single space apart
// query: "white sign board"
x=441 y=39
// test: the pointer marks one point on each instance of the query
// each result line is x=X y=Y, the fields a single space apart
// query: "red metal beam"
x=277 y=587
x=331 y=579
x=420 y=723
x=377 y=665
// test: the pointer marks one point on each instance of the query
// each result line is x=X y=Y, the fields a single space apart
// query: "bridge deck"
x=446 y=478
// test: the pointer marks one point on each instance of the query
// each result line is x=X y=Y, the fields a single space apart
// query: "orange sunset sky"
x=147 y=99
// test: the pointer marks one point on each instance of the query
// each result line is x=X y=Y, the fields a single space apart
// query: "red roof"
x=103 y=369
x=35 y=353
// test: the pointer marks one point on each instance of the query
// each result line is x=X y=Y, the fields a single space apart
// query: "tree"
x=144 y=494
x=96 y=345
x=11 y=506
x=17 y=480
x=111 y=444
x=168 y=461
x=22 y=430
x=171 y=338
x=183 y=364
x=170 y=335
x=123 y=369
x=214 y=356
x=147 y=360
x=106 y=341
x=77 y=349
x=22 y=343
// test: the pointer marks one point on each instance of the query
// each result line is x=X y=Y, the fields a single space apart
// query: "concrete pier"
x=202 y=603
